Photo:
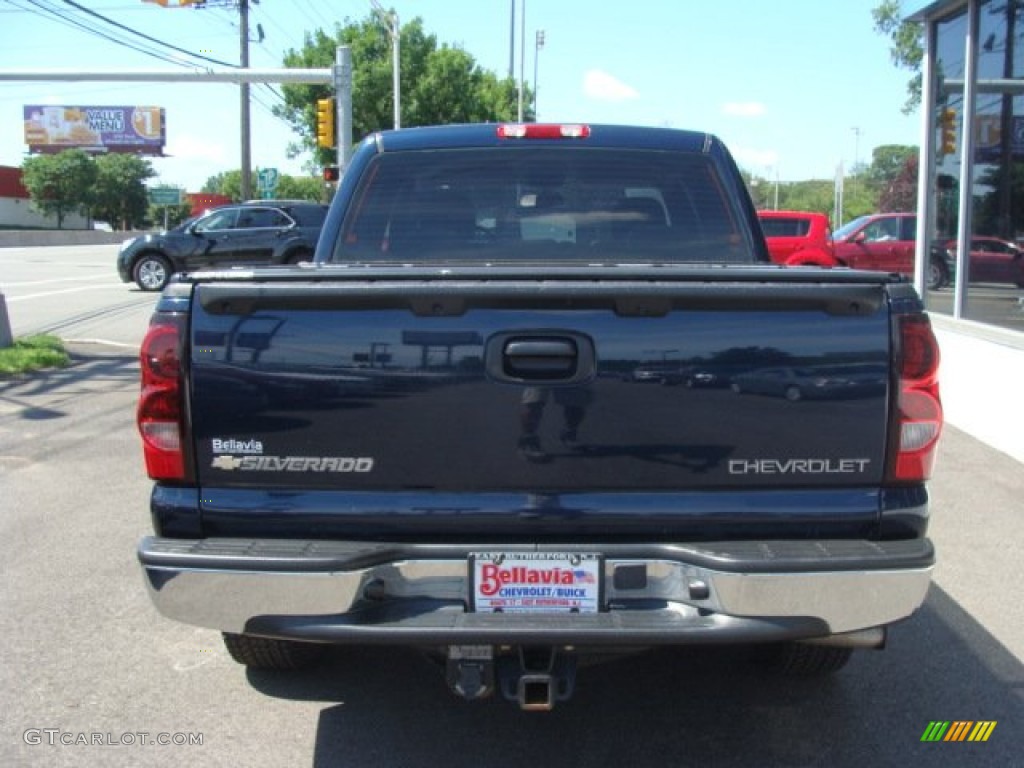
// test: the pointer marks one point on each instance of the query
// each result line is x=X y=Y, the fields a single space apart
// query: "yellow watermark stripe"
x=982 y=730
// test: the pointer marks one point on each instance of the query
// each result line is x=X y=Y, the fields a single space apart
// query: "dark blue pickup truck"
x=438 y=435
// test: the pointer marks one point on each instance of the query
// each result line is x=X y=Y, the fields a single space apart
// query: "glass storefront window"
x=995 y=270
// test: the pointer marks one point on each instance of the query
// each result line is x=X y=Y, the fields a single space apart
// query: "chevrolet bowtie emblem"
x=225 y=462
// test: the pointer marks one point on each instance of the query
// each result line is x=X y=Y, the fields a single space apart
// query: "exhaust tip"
x=873 y=637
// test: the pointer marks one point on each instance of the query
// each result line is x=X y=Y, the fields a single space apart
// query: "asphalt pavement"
x=91 y=675
x=86 y=659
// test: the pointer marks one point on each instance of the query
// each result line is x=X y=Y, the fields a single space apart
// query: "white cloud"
x=749 y=157
x=743 y=108
x=186 y=147
x=601 y=86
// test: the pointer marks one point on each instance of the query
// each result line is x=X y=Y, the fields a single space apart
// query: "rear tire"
x=804 y=660
x=270 y=653
x=937 y=276
x=298 y=257
x=152 y=272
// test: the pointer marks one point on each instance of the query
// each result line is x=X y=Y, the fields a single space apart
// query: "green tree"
x=300 y=188
x=887 y=163
x=906 y=48
x=60 y=184
x=120 y=195
x=900 y=192
x=439 y=85
x=288 y=187
x=988 y=218
x=813 y=195
x=229 y=183
x=172 y=214
x=858 y=198
x=213 y=184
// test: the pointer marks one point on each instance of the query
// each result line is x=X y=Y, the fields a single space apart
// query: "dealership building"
x=971 y=184
x=970 y=187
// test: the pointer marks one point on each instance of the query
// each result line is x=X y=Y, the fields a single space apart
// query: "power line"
x=144 y=36
x=265 y=16
x=51 y=14
x=315 y=10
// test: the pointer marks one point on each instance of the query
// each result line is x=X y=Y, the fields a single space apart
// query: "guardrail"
x=16 y=238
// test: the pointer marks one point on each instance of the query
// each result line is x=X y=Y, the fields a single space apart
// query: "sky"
x=793 y=87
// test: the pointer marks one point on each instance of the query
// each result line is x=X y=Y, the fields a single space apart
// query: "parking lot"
x=87 y=659
x=999 y=305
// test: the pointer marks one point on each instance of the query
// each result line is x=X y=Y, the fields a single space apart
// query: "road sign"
x=266 y=179
x=165 y=196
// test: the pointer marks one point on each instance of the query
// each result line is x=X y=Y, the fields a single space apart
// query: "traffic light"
x=332 y=173
x=325 y=123
x=947 y=123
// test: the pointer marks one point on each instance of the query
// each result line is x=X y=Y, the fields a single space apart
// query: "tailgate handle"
x=539 y=358
x=566 y=358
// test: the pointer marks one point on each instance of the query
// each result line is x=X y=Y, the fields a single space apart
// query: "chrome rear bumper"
x=654 y=594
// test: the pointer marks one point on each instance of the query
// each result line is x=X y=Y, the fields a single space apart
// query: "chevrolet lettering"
x=797 y=466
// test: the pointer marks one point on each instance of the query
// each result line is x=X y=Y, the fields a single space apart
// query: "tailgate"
x=539 y=387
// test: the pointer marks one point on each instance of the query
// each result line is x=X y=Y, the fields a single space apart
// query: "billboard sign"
x=988 y=141
x=139 y=130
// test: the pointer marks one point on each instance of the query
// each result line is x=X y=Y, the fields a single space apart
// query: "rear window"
x=309 y=216
x=261 y=218
x=785 y=227
x=543 y=204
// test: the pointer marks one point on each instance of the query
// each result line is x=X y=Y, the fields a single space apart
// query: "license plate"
x=535 y=582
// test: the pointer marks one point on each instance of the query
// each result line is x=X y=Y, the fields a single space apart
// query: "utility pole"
x=243 y=10
x=522 y=59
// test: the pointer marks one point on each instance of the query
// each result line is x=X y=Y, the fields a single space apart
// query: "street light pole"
x=856 y=155
x=538 y=46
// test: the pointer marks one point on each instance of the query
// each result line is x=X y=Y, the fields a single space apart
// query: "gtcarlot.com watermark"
x=57 y=737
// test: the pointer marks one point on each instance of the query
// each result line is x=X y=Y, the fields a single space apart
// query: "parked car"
x=993 y=260
x=247 y=234
x=659 y=373
x=885 y=242
x=821 y=383
x=798 y=238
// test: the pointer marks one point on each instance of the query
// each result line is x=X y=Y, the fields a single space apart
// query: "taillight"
x=919 y=409
x=159 y=414
x=542 y=131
